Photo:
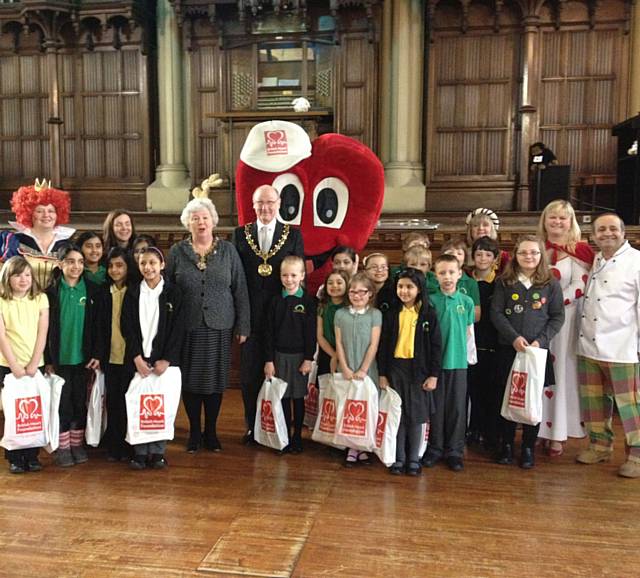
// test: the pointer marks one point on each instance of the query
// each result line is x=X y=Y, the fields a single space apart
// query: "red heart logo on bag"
x=356 y=408
x=266 y=410
x=548 y=393
x=518 y=380
x=153 y=404
x=28 y=407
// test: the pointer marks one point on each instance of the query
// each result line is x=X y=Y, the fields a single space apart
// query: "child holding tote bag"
x=527 y=310
x=409 y=361
x=24 y=319
x=153 y=332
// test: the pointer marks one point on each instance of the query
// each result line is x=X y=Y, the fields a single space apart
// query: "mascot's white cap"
x=275 y=145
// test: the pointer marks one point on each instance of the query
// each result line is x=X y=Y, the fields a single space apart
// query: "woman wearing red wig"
x=37 y=235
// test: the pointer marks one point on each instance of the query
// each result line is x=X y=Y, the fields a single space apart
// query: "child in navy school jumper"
x=290 y=341
x=484 y=392
x=24 y=319
x=409 y=361
x=456 y=316
x=153 y=330
x=527 y=309
x=72 y=351
x=117 y=375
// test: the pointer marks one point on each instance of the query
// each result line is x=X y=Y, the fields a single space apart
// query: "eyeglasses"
x=528 y=253
x=377 y=268
x=358 y=291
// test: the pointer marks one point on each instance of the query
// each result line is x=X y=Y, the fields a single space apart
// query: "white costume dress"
x=561 y=402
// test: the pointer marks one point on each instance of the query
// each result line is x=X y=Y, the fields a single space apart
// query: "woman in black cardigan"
x=409 y=360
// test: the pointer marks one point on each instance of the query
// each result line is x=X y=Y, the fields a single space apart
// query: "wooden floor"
x=248 y=511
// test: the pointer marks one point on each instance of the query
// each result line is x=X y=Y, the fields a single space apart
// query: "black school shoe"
x=429 y=460
x=397 y=469
x=33 y=465
x=213 y=445
x=158 y=462
x=414 y=469
x=16 y=468
x=296 y=444
x=527 y=460
x=138 y=463
x=455 y=463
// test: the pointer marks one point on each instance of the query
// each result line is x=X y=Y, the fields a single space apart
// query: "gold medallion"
x=265 y=269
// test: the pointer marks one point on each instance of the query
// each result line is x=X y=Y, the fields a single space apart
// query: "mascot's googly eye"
x=330 y=203
x=291 y=198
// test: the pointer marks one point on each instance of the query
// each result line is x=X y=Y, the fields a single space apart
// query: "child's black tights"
x=298 y=414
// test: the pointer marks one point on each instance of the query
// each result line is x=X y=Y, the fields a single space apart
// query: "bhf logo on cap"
x=275 y=146
x=276 y=142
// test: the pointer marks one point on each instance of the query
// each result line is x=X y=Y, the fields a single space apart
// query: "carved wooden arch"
x=465 y=5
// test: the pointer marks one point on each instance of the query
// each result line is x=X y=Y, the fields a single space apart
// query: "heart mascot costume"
x=332 y=188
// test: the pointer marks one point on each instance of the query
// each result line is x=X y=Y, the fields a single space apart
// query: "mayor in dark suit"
x=262 y=245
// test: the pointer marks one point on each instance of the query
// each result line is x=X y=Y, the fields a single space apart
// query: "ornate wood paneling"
x=504 y=76
x=580 y=84
x=471 y=109
x=24 y=134
x=74 y=99
x=357 y=86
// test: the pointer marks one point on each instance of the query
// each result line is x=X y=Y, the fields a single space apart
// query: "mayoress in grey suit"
x=209 y=273
x=262 y=245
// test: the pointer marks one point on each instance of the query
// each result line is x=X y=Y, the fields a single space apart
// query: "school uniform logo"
x=29 y=415
x=518 y=388
x=267 y=421
x=381 y=427
x=152 y=415
x=299 y=308
x=354 y=420
x=328 y=416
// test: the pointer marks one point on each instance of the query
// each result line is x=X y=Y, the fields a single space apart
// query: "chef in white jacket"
x=608 y=346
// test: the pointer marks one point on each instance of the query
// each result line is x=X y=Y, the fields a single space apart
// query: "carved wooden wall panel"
x=74 y=99
x=470 y=113
x=357 y=87
x=24 y=133
x=207 y=99
x=580 y=71
x=481 y=115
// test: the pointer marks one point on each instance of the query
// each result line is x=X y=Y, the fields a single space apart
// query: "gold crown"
x=42 y=185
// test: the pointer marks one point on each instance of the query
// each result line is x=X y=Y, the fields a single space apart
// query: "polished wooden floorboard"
x=249 y=512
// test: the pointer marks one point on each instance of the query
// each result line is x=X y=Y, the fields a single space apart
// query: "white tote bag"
x=26 y=402
x=332 y=392
x=56 y=383
x=522 y=401
x=152 y=405
x=425 y=439
x=96 y=411
x=270 y=428
x=389 y=414
x=357 y=417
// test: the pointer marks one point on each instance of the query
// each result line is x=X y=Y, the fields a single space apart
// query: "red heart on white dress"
x=549 y=423
x=548 y=393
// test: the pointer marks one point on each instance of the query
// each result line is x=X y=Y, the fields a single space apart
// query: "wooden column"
x=634 y=69
x=54 y=121
x=529 y=107
x=170 y=190
x=402 y=104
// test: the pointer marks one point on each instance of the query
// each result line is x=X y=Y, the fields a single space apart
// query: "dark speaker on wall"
x=550 y=184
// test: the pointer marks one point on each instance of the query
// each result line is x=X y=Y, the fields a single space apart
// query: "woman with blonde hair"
x=570 y=260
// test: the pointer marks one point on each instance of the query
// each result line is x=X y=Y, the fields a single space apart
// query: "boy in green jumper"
x=455 y=315
x=466 y=285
